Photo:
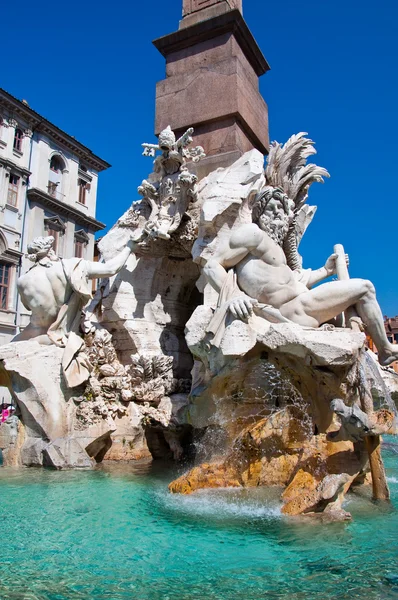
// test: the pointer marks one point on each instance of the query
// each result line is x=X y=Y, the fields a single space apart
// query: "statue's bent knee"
x=368 y=287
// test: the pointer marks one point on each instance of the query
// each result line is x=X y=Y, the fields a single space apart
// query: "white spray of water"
x=224 y=503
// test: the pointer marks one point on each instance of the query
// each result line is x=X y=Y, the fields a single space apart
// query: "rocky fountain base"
x=275 y=420
x=187 y=274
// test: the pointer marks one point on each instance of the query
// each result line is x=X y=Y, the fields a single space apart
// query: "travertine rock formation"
x=280 y=450
x=209 y=330
x=272 y=410
x=265 y=342
x=47 y=408
x=126 y=380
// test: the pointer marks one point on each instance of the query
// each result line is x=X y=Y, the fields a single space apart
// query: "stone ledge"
x=230 y=22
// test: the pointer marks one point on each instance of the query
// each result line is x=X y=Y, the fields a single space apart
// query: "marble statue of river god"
x=282 y=373
x=56 y=290
x=259 y=267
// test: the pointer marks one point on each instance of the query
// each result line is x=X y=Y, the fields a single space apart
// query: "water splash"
x=266 y=391
x=226 y=503
x=371 y=377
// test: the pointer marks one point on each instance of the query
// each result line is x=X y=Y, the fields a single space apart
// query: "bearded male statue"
x=56 y=290
x=256 y=270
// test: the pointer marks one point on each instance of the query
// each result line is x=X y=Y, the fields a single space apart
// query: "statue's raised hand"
x=330 y=264
x=242 y=306
x=136 y=237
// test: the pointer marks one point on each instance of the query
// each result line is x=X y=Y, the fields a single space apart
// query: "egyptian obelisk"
x=213 y=65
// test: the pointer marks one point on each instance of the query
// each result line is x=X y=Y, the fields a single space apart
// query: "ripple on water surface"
x=116 y=533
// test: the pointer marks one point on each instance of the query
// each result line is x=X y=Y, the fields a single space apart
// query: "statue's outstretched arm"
x=326 y=271
x=317 y=276
x=96 y=270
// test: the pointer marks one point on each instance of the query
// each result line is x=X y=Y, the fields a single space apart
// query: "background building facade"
x=391 y=328
x=48 y=186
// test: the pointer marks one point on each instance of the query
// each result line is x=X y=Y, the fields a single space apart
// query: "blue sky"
x=90 y=68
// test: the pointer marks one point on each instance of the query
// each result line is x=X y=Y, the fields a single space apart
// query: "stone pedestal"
x=194 y=11
x=47 y=433
x=212 y=71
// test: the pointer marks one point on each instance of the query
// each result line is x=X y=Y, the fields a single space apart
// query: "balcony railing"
x=52 y=191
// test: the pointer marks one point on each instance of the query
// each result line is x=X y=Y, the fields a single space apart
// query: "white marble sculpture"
x=356 y=424
x=56 y=290
x=171 y=186
x=258 y=269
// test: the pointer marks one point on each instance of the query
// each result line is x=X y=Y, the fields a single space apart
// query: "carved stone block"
x=191 y=6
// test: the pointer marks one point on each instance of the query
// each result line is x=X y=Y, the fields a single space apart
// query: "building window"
x=55 y=174
x=83 y=188
x=5 y=274
x=79 y=249
x=12 y=197
x=53 y=225
x=81 y=241
x=52 y=188
x=18 y=137
x=56 y=164
x=3 y=143
x=55 y=234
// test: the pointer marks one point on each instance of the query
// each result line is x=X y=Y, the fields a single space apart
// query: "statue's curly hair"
x=38 y=245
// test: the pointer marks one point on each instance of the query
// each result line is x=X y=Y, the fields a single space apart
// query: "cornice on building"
x=4 y=324
x=39 y=123
x=5 y=162
x=81 y=236
x=41 y=197
x=55 y=222
x=12 y=256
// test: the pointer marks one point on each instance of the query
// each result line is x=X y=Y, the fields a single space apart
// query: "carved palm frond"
x=163 y=365
x=287 y=168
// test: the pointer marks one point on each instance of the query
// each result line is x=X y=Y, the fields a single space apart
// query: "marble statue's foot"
x=386 y=358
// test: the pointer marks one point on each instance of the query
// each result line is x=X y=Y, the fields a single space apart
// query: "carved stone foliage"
x=109 y=387
x=152 y=377
x=112 y=385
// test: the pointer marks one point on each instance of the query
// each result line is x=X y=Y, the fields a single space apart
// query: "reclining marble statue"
x=278 y=349
x=56 y=290
x=259 y=268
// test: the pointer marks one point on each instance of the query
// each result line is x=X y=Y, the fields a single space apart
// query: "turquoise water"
x=117 y=533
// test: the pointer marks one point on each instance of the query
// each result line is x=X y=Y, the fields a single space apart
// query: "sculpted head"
x=41 y=247
x=272 y=211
